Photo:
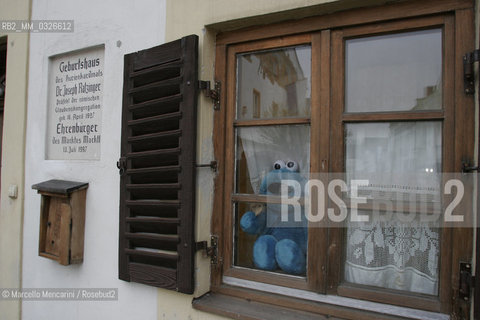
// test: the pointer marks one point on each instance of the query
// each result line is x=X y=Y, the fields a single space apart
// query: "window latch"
x=213 y=94
x=467 y=281
x=211 y=251
x=468 y=73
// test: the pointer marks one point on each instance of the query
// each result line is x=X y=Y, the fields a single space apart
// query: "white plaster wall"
x=121 y=26
x=13 y=155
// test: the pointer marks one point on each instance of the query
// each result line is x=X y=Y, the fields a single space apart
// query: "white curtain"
x=400 y=160
x=264 y=145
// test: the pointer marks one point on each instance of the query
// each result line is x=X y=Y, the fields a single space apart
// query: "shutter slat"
x=153 y=275
x=154 y=190
x=157 y=199
x=163 y=68
x=153 y=170
x=165 y=53
x=163 y=117
x=164 y=242
x=164 y=134
x=160 y=72
x=152 y=203
x=156 y=104
x=154 y=208
x=153 y=186
x=157 y=140
x=157 y=225
x=156 y=90
x=150 y=254
x=153 y=237
x=152 y=220
x=143 y=154
x=147 y=159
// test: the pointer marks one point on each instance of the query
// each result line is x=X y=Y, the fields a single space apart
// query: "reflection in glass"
x=274 y=84
x=258 y=148
x=395 y=72
x=400 y=160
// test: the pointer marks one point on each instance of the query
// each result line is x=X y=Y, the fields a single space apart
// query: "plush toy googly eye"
x=279 y=164
x=292 y=165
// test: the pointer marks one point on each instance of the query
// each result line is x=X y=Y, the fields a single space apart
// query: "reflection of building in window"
x=256 y=103
x=279 y=81
x=274 y=110
x=283 y=68
x=244 y=111
x=432 y=100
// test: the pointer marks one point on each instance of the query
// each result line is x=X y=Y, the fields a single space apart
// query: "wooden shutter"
x=157 y=199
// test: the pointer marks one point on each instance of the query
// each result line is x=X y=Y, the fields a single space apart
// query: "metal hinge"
x=213 y=94
x=467 y=281
x=122 y=165
x=468 y=72
x=209 y=251
x=213 y=165
x=467 y=168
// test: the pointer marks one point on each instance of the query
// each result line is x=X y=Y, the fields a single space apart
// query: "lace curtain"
x=395 y=254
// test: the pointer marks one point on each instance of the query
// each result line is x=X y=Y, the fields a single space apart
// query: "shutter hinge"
x=122 y=165
x=468 y=72
x=467 y=281
x=213 y=165
x=213 y=94
x=209 y=251
x=467 y=168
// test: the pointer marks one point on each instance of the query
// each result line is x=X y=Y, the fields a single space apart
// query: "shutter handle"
x=122 y=165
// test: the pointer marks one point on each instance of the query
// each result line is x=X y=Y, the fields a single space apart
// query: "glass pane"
x=395 y=72
x=260 y=147
x=397 y=158
x=393 y=254
x=394 y=147
x=274 y=84
x=264 y=242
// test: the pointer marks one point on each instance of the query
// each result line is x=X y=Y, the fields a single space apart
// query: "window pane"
x=396 y=72
x=274 y=84
x=262 y=241
x=394 y=254
x=258 y=148
x=394 y=147
x=397 y=158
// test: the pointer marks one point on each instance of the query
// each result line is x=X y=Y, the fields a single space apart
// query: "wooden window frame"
x=446 y=115
x=326 y=36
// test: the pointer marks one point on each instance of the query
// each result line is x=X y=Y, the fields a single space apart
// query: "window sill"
x=240 y=308
x=244 y=303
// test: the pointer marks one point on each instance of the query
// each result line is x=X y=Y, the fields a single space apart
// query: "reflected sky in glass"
x=395 y=72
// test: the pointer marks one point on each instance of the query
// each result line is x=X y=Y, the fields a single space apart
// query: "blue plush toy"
x=279 y=245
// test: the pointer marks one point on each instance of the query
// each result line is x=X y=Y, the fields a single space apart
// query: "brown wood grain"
x=341 y=19
x=78 y=205
x=464 y=141
x=217 y=221
x=327 y=35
